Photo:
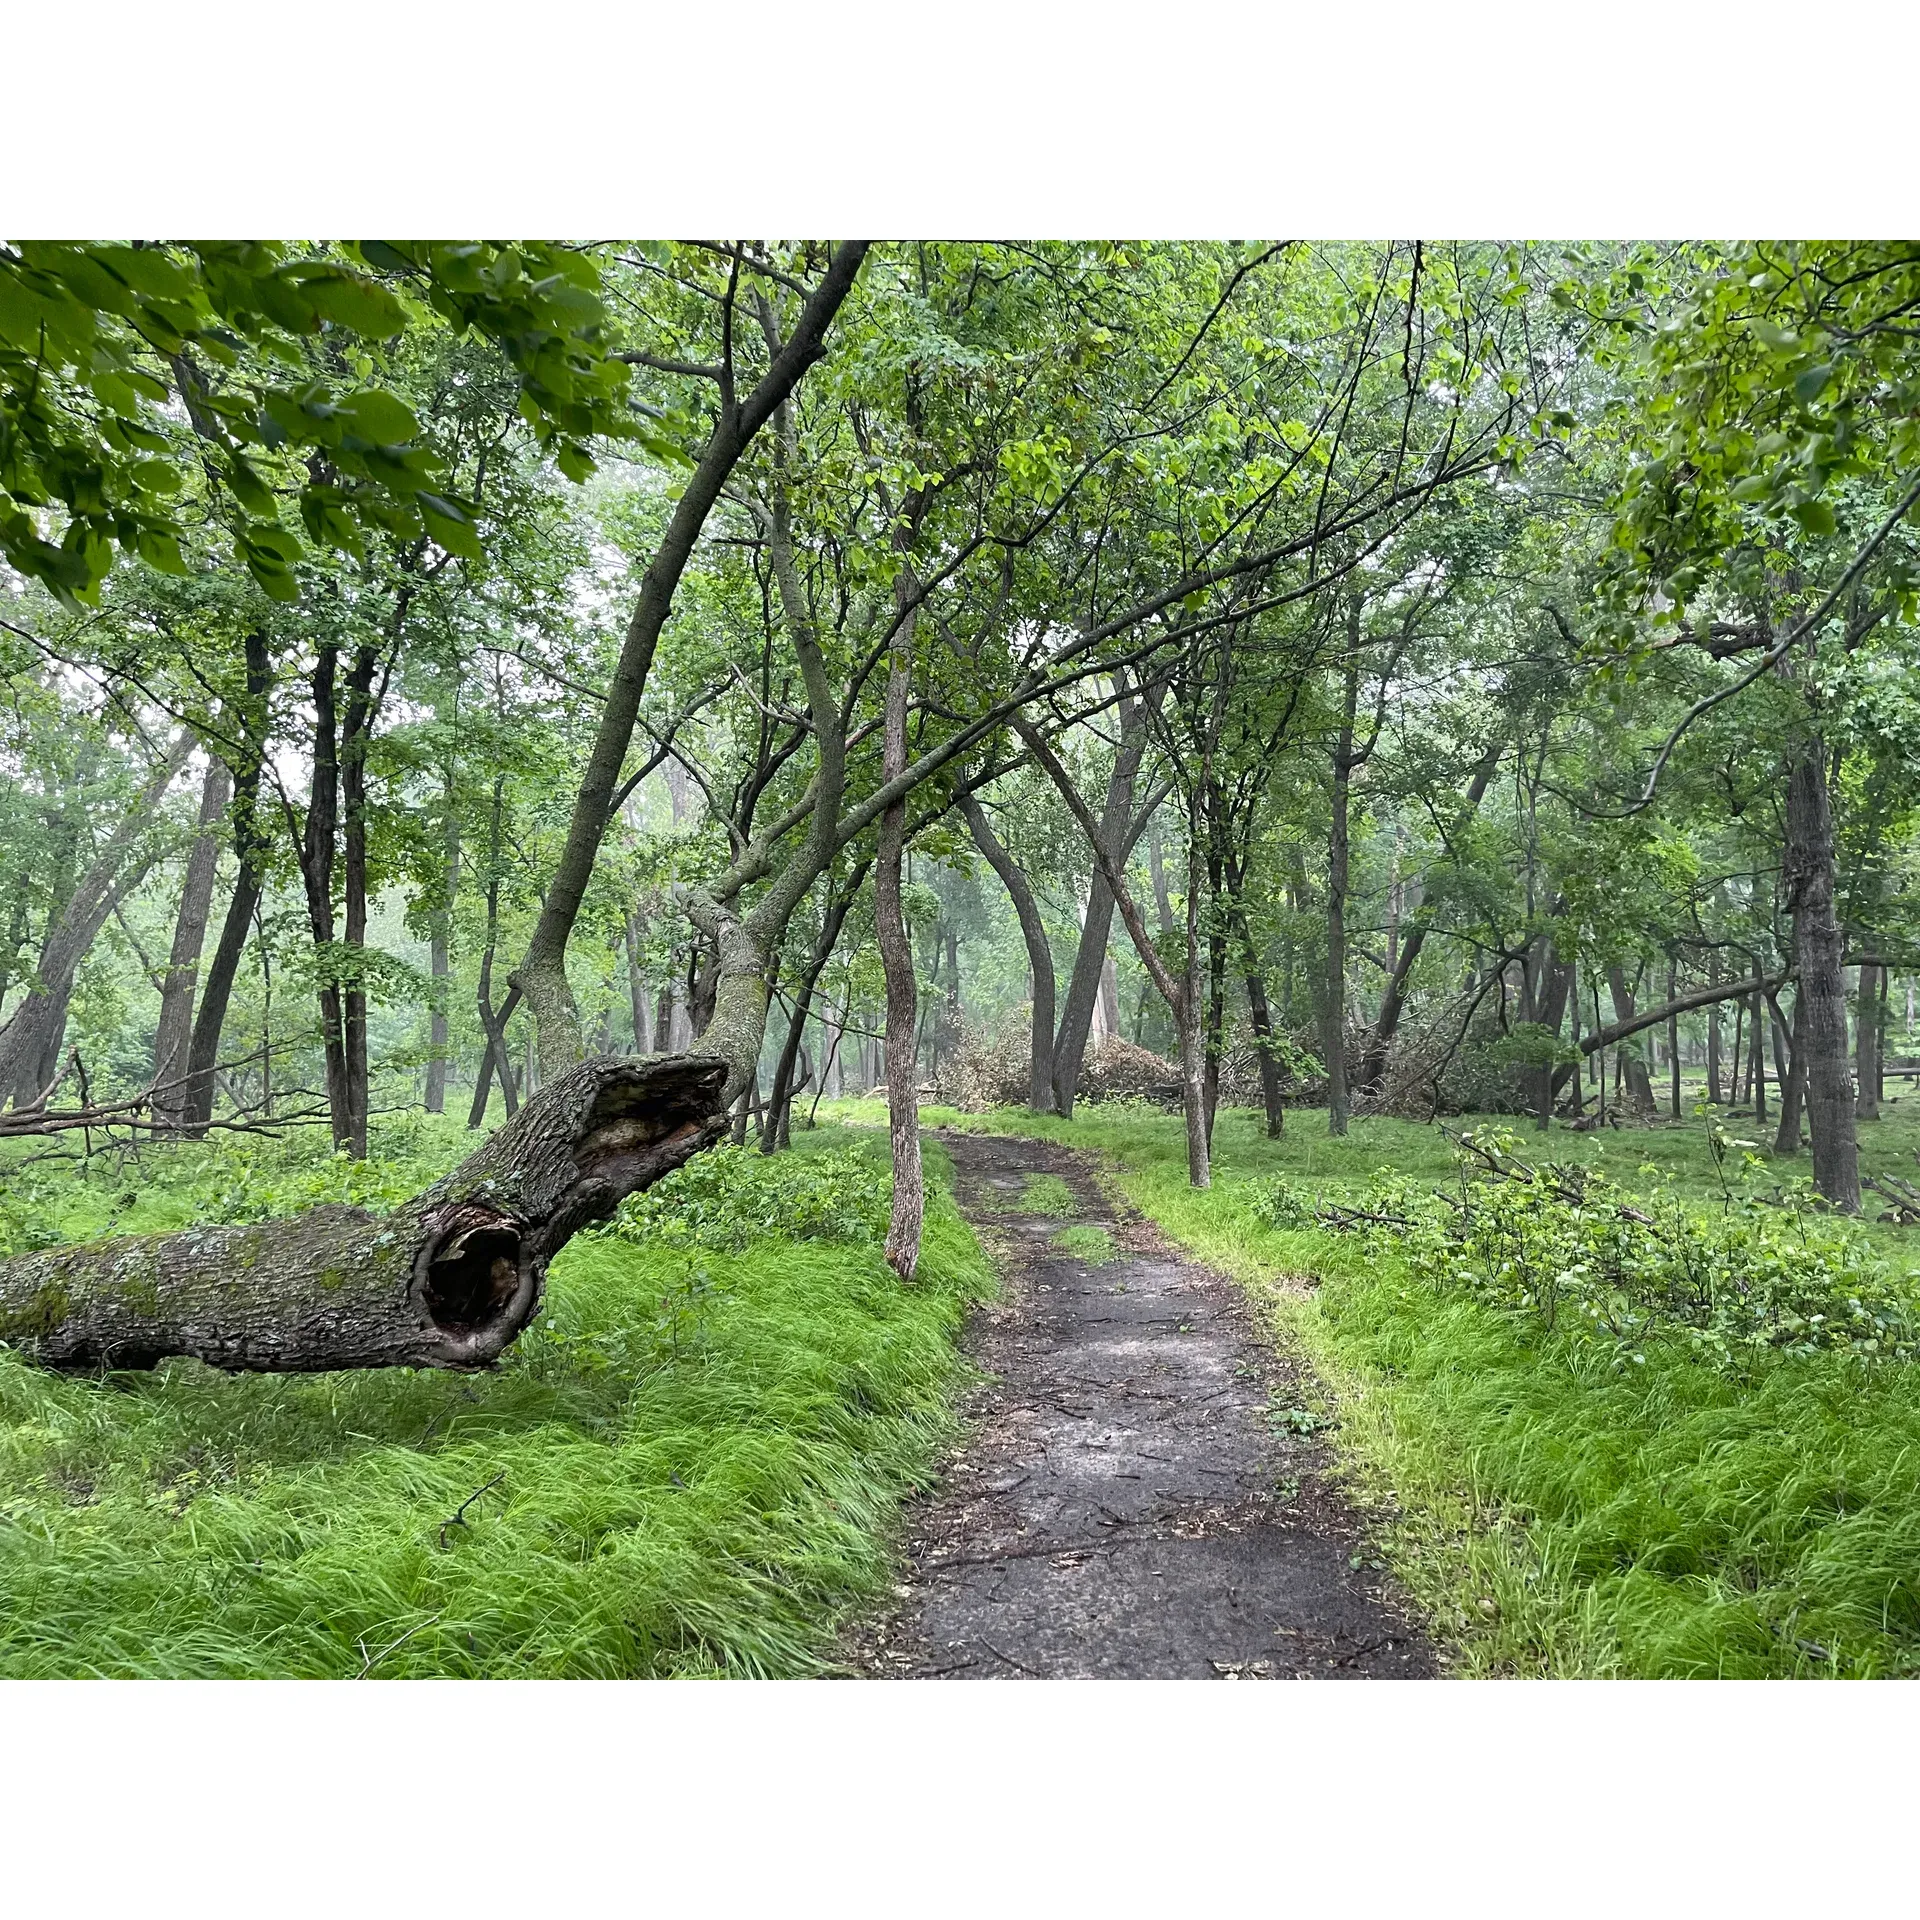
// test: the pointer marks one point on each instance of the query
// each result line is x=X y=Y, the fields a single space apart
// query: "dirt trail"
x=1126 y=1504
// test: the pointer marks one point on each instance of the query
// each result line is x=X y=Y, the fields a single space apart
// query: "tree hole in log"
x=474 y=1277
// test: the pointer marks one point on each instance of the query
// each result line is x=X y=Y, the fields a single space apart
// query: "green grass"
x=691 y=1465
x=1047 y=1193
x=1554 y=1515
x=1094 y=1245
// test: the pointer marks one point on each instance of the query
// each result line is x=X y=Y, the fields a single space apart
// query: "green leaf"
x=1815 y=516
x=378 y=416
x=450 y=527
x=1809 y=386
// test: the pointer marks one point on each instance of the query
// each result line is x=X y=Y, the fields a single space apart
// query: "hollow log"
x=449 y=1279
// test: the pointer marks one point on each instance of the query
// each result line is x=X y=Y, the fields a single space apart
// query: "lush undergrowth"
x=1554 y=1511
x=690 y=1465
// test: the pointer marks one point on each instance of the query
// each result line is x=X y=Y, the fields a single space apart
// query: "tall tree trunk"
x=30 y=1042
x=250 y=854
x=634 y=931
x=1333 y=1038
x=1713 y=1033
x=316 y=847
x=896 y=960
x=1759 y=1074
x=1673 y=1040
x=173 y=1036
x=1090 y=958
x=1183 y=994
x=1793 y=1087
x=1639 y=1079
x=441 y=957
x=1808 y=872
x=1039 y=951
x=542 y=975
x=1265 y=1047
x=353 y=781
x=1866 y=1022
x=496 y=1060
x=1880 y=1040
x=780 y=1099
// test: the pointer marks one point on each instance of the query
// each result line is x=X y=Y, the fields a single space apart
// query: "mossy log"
x=449 y=1279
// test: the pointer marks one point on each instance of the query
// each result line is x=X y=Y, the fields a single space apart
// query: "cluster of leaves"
x=725 y=1199
x=1582 y=1256
x=103 y=345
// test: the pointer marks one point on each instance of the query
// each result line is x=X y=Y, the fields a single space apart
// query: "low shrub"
x=1577 y=1254
x=725 y=1198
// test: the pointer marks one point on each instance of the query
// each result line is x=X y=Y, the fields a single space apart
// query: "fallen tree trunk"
x=449 y=1279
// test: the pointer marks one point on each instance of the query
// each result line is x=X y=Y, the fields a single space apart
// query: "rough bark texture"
x=173 y=1036
x=447 y=1280
x=1039 y=950
x=1808 y=871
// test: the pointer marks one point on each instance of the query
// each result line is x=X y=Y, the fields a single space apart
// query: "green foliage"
x=1094 y=1245
x=1576 y=1254
x=1046 y=1193
x=724 y=1199
x=1554 y=1511
x=102 y=346
x=704 y=1486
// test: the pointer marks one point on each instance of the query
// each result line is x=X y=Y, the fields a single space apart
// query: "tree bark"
x=1639 y=1079
x=1182 y=994
x=896 y=960
x=30 y=1041
x=1673 y=1041
x=1096 y=930
x=250 y=852
x=1808 y=873
x=1866 y=1021
x=634 y=932
x=1793 y=1085
x=542 y=975
x=780 y=1099
x=1333 y=1038
x=315 y=849
x=1033 y=931
x=449 y=1279
x=1262 y=1015
x=173 y=1036
x=354 y=738
x=1713 y=1035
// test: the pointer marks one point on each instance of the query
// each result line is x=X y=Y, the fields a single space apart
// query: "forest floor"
x=1140 y=1493
x=1549 y=1510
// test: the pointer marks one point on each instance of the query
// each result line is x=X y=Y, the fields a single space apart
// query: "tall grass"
x=1552 y=1512
x=689 y=1466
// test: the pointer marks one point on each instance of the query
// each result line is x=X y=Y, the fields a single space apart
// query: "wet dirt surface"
x=1129 y=1501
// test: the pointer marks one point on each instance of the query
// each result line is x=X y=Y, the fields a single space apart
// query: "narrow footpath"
x=1132 y=1499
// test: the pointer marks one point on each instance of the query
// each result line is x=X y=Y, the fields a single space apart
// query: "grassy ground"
x=689 y=1466
x=1552 y=1513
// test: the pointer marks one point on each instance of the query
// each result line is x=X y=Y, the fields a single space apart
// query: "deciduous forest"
x=703 y=941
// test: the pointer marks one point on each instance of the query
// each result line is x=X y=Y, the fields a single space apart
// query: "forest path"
x=1124 y=1503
